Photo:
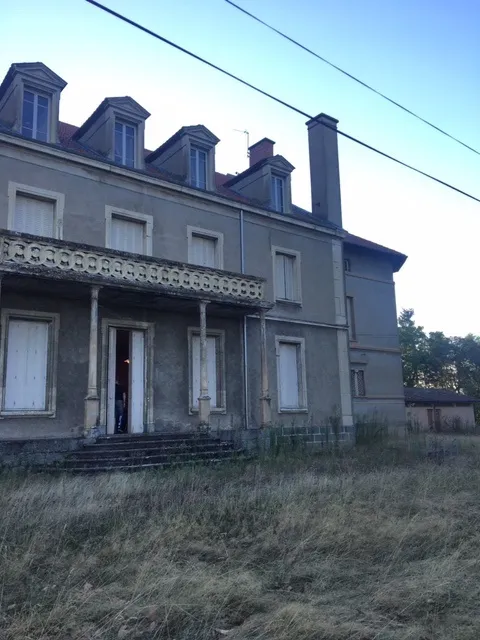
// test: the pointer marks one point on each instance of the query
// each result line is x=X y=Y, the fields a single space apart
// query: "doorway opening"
x=126 y=381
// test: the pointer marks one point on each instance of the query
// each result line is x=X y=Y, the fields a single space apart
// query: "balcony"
x=47 y=258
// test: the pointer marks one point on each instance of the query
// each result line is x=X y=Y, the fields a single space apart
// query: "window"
x=358 y=382
x=351 y=318
x=35 y=115
x=198 y=168
x=128 y=231
x=124 y=143
x=292 y=392
x=286 y=275
x=28 y=362
x=205 y=247
x=278 y=194
x=36 y=211
x=347 y=265
x=215 y=369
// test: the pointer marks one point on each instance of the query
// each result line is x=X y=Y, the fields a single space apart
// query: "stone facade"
x=254 y=336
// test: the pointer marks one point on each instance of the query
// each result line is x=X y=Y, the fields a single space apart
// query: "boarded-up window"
x=26 y=365
x=34 y=215
x=127 y=235
x=214 y=370
x=285 y=276
x=203 y=251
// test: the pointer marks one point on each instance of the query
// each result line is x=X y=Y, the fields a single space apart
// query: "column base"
x=204 y=412
x=265 y=412
x=92 y=415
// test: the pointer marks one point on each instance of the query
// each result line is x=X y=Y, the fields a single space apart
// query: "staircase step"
x=140 y=460
x=155 y=444
x=143 y=467
x=132 y=437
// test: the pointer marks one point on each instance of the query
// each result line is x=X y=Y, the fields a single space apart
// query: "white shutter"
x=288 y=376
x=280 y=275
x=26 y=369
x=203 y=251
x=127 y=235
x=33 y=215
x=289 y=264
x=211 y=369
x=137 y=372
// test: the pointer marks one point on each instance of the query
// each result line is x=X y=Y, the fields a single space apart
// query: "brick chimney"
x=324 y=170
x=261 y=150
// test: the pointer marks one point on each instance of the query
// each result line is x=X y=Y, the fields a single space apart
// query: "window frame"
x=297 y=300
x=211 y=235
x=350 y=317
x=52 y=360
x=278 y=179
x=133 y=216
x=219 y=335
x=301 y=373
x=58 y=199
x=354 y=375
x=347 y=265
x=198 y=149
x=125 y=124
x=36 y=93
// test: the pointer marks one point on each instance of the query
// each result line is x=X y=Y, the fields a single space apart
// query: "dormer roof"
x=276 y=162
x=35 y=72
x=126 y=105
x=197 y=131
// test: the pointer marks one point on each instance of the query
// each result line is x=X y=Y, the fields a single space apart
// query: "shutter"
x=203 y=251
x=137 y=383
x=127 y=235
x=211 y=370
x=289 y=262
x=280 y=276
x=26 y=369
x=33 y=215
x=289 y=390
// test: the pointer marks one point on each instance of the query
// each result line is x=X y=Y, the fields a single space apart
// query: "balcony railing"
x=24 y=253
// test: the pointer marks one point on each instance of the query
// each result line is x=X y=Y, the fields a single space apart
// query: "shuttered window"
x=26 y=365
x=127 y=235
x=285 y=276
x=203 y=251
x=34 y=215
x=357 y=380
x=291 y=375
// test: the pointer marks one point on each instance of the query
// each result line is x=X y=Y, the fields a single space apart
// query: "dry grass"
x=358 y=547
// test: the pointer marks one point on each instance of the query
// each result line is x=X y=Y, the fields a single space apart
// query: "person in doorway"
x=120 y=405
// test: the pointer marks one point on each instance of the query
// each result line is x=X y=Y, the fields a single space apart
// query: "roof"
x=152 y=155
x=446 y=396
x=68 y=140
x=277 y=159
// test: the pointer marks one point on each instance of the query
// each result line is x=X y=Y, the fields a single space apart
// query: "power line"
x=272 y=97
x=352 y=77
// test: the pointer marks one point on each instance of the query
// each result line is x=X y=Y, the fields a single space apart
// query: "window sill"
x=296 y=410
x=295 y=303
x=27 y=414
x=216 y=410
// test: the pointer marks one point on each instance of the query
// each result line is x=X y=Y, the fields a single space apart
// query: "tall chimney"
x=324 y=170
x=261 y=150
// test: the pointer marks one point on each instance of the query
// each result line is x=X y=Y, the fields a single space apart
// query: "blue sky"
x=424 y=54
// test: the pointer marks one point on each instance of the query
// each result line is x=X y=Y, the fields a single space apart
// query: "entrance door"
x=126 y=381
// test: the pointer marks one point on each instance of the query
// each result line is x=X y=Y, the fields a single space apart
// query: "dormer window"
x=35 y=115
x=124 y=143
x=278 y=193
x=198 y=168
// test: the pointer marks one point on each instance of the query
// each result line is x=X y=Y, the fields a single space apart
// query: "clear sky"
x=423 y=53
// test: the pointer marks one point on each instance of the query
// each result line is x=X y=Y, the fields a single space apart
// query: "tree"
x=413 y=343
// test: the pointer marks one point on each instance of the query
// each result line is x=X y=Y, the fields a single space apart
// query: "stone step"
x=154 y=457
x=155 y=444
x=132 y=437
x=103 y=468
x=90 y=451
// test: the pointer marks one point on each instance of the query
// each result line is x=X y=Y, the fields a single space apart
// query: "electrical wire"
x=351 y=76
x=123 y=18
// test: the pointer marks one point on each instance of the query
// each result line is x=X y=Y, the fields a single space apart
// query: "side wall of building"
x=451 y=416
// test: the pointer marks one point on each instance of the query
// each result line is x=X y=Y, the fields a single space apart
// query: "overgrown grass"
x=372 y=544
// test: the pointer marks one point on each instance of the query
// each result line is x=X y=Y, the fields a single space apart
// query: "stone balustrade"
x=22 y=252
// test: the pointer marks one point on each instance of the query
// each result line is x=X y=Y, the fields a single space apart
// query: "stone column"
x=204 y=399
x=265 y=409
x=92 y=402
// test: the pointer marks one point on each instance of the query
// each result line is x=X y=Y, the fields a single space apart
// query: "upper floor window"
x=205 y=247
x=36 y=211
x=278 y=193
x=352 y=333
x=128 y=231
x=287 y=275
x=347 y=265
x=35 y=115
x=198 y=168
x=124 y=143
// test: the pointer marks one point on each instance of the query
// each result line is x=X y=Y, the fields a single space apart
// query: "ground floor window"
x=358 y=382
x=291 y=377
x=215 y=368
x=28 y=360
